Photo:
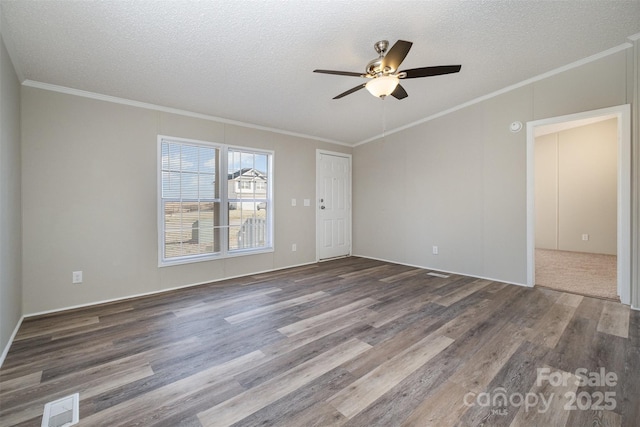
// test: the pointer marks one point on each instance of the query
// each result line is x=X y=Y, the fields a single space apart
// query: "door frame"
x=320 y=152
x=623 y=114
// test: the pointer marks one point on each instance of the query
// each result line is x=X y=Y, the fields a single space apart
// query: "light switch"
x=307 y=202
x=76 y=277
x=293 y=202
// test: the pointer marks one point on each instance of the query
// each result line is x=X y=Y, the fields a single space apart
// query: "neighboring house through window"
x=214 y=201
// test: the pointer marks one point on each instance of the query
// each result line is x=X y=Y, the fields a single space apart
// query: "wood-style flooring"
x=350 y=342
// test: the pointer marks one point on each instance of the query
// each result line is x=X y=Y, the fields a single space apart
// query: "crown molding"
x=537 y=78
x=124 y=101
x=148 y=106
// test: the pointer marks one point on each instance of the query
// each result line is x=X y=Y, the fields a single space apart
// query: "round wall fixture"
x=515 y=127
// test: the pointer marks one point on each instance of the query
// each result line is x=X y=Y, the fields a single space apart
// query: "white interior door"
x=333 y=220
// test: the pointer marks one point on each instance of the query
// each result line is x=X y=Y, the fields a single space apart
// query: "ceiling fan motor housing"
x=374 y=67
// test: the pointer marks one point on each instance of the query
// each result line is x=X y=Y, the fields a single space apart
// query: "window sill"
x=214 y=257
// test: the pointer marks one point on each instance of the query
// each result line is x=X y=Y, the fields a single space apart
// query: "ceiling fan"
x=383 y=74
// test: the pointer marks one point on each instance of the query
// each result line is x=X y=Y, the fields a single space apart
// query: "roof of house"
x=247 y=172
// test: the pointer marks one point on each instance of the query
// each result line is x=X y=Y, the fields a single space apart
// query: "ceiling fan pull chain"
x=384 y=120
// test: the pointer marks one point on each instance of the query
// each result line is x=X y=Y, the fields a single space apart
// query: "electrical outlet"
x=76 y=277
x=435 y=250
x=585 y=237
x=294 y=247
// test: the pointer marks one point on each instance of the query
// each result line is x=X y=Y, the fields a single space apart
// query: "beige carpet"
x=577 y=272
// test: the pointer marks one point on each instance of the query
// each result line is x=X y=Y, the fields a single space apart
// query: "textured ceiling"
x=252 y=61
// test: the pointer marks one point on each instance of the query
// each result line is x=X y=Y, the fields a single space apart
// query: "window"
x=244 y=185
x=248 y=219
x=209 y=207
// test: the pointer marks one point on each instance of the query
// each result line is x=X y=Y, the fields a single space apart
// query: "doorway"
x=333 y=202
x=559 y=237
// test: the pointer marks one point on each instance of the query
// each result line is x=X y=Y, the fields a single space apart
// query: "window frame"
x=223 y=166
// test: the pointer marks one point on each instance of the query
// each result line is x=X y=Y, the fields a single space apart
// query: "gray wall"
x=10 y=203
x=576 y=188
x=459 y=181
x=90 y=199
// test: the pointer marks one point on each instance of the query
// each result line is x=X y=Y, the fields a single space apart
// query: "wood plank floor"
x=350 y=342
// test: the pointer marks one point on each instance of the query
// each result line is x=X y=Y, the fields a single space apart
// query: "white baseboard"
x=15 y=331
x=91 y=304
x=11 y=338
x=424 y=267
x=461 y=274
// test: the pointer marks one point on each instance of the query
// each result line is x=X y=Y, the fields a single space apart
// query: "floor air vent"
x=62 y=412
x=444 y=276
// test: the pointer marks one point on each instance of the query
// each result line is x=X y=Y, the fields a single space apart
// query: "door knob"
x=321 y=207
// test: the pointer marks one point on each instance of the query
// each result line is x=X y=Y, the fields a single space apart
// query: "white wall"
x=459 y=181
x=10 y=202
x=576 y=188
x=89 y=199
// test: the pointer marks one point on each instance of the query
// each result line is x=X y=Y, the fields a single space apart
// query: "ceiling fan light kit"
x=382 y=86
x=382 y=72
